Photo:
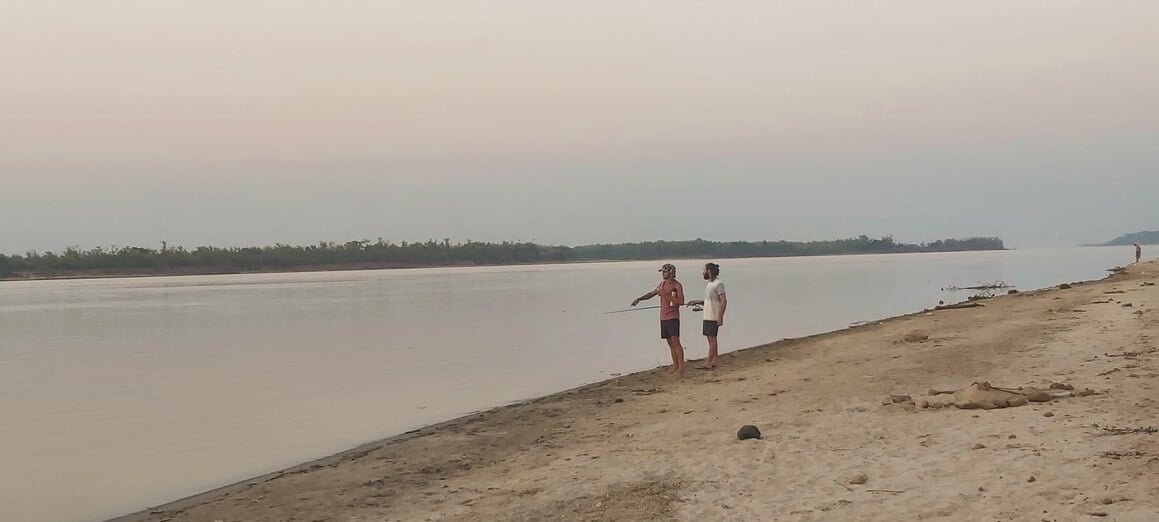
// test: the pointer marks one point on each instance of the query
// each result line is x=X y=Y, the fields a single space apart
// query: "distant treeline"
x=1146 y=237
x=385 y=254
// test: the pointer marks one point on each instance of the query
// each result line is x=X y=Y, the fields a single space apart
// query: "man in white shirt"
x=715 y=302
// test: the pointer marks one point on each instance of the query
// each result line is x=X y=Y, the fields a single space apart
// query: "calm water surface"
x=116 y=394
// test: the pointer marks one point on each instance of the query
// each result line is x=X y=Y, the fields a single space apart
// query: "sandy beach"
x=1071 y=373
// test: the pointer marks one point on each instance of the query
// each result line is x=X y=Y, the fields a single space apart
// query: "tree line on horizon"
x=1146 y=237
x=382 y=254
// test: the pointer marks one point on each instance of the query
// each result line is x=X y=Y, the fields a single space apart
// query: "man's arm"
x=646 y=296
x=723 y=307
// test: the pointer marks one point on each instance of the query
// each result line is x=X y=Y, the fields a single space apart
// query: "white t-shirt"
x=712 y=294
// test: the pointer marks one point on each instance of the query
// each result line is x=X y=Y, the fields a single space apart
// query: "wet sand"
x=840 y=442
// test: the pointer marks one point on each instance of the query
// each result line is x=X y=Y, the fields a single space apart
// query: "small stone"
x=1108 y=501
x=900 y=398
x=1032 y=479
x=861 y=478
x=1060 y=386
x=1048 y=414
x=617 y=401
x=979 y=446
x=748 y=432
x=1063 y=286
x=1098 y=513
x=1012 y=437
x=923 y=404
x=1011 y=292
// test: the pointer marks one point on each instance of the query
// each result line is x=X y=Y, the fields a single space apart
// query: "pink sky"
x=125 y=96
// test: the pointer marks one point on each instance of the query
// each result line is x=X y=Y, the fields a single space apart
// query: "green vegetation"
x=384 y=254
x=1147 y=237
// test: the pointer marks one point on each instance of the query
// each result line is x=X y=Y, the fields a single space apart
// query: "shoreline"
x=176 y=510
x=362 y=450
x=406 y=266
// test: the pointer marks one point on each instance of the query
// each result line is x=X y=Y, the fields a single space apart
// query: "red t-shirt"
x=667 y=292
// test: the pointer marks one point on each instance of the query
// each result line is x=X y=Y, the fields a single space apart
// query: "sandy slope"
x=647 y=447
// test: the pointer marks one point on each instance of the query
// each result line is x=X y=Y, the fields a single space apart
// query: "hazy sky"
x=245 y=122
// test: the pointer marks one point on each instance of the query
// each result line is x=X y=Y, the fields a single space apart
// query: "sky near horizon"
x=255 y=122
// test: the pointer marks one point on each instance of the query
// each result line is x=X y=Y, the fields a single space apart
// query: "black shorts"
x=669 y=328
x=710 y=328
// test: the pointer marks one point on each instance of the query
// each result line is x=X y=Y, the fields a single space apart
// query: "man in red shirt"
x=671 y=294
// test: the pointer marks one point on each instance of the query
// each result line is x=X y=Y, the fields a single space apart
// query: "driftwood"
x=1127 y=431
x=991 y=286
x=1122 y=454
x=984 y=396
x=958 y=306
x=1130 y=355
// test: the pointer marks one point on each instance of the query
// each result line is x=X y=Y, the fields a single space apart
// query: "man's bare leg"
x=677 y=355
x=710 y=361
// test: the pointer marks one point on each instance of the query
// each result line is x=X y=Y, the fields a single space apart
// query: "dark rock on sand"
x=748 y=432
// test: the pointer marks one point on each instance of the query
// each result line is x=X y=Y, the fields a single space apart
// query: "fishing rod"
x=632 y=309
x=694 y=308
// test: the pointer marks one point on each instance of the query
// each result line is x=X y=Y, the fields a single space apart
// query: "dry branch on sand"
x=983 y=396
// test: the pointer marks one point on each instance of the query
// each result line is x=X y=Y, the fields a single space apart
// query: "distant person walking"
x=1138 y=252
x=715 y=302
x=671 y=294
